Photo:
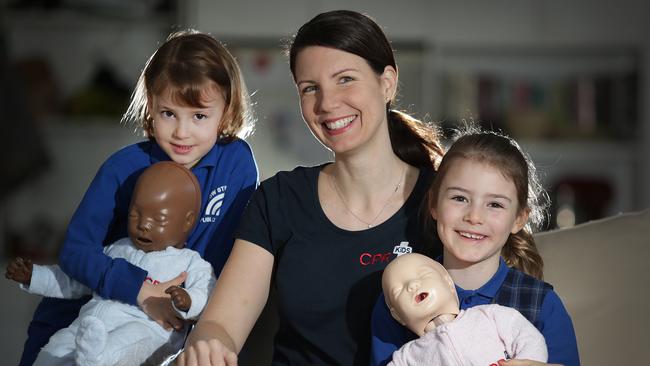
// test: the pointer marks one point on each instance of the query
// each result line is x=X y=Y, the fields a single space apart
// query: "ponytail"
x=413 y=141
x=521 y=253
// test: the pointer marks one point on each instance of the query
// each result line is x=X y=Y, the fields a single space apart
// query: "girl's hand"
x=204 y=349
x=153 y=300
x=525 y=363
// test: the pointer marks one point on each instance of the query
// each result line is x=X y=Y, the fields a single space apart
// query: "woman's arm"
x=238 y=298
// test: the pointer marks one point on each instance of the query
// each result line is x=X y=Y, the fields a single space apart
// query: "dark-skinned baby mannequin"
x=162 y=213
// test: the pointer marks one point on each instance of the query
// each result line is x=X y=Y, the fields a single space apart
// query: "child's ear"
x=433 y=213
x=520 y=221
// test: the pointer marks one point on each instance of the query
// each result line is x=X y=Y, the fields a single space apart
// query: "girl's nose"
x=474 y=215
x=182 y=129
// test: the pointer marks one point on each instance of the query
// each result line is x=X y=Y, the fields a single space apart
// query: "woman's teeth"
x=339 y=123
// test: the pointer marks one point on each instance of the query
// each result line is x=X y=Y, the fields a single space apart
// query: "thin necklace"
x=345 y=204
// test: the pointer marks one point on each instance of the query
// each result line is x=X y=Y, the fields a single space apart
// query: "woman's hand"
x=153 y=300
x=205 y=349
x=525 y=363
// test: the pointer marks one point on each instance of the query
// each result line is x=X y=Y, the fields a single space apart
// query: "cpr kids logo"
x=402 y=248
x=215 y=201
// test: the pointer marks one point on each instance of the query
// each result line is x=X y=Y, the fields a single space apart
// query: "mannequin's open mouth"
x=421 y=296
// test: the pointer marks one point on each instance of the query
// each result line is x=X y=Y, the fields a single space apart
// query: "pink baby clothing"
x=479 y=336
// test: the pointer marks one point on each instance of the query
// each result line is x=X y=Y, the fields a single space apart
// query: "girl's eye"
x=200 y=116
x=308 y=89
x=459 y=199
x=167 y=114
x=495 y=205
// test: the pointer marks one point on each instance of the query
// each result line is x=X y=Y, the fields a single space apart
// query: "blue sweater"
x=227 y=175
x=554 y=323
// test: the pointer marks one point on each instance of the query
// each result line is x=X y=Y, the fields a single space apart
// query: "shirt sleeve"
x=387 y=335
x=245 y=182
x=557 y=328
x=522 y=339
x=199 y=283
x=255 y=224
x=82 y=256
x=51 y=281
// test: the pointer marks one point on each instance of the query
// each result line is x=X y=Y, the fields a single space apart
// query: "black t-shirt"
x=327 y=278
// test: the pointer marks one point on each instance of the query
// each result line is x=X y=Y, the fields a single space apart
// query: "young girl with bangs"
x=193 y=106
x=485 y=202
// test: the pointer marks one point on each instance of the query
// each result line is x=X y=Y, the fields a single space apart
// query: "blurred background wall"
x=569 y=79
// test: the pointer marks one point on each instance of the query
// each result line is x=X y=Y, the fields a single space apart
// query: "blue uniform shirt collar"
x=491 y=287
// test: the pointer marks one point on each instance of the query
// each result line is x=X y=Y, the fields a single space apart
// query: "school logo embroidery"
x=402 y=248
x=215 y=201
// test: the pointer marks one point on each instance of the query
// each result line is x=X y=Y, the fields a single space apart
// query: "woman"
x=321 y=235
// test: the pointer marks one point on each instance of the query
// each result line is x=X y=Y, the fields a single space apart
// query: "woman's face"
x=343 y=101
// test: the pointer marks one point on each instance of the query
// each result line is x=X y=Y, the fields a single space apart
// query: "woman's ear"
x=389 y=83
x=520 y=221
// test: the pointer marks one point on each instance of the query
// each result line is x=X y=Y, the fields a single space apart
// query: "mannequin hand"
x=180 y=298
x=153 y=300
x=203 y=348
x=20 y=270
x=525 y=363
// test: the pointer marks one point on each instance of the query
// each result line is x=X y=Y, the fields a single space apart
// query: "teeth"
x=339 y=123
x=471 y=236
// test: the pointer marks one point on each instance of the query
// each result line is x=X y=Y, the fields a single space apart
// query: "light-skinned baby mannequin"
x=421 y=296
x=162 y=213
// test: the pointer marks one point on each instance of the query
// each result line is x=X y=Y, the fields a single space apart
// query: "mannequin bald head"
x=165 y=203
x=419 y=292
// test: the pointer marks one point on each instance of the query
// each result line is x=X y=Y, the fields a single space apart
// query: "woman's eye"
x=345 y=79
x=308 y=89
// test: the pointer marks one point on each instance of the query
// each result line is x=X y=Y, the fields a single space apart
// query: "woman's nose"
x=328 y=100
